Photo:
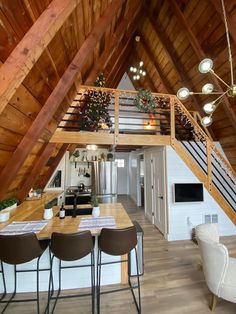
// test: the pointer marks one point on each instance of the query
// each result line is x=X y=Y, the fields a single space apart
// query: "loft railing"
x=125 y=117
x=171 y=119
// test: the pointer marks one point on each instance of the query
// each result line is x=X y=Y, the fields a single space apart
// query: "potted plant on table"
x=95 y=204
x=48 y=213
x=5 y=207
x=8 y=204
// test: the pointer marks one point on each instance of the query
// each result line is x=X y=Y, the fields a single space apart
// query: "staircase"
x=205 y=160
x=170 y=124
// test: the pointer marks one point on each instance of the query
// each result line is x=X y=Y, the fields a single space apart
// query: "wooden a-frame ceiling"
x=49 y=47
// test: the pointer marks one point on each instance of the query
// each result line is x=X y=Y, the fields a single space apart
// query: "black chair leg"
x=59 y=288
x=139 y=294
x=38 y=310
x=50 y=293
x=92 y=281
x=137 y=304
x=4 y=282
x=98 y=279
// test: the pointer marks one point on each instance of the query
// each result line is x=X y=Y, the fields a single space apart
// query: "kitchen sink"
x=78 y=211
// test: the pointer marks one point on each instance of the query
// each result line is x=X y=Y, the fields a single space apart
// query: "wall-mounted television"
x=188 y=192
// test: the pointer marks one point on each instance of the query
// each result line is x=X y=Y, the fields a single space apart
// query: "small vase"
x=96 y=211
x=48 y=213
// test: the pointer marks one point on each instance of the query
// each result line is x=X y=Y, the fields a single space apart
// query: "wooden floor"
x=173 y=282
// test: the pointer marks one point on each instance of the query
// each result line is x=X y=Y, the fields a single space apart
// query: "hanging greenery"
x=144 y=101
x=94 y=113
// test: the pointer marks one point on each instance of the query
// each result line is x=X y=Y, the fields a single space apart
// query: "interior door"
x=148 y=181
x=159 y=204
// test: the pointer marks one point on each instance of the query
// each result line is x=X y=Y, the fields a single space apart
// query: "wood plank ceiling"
x=166 y=28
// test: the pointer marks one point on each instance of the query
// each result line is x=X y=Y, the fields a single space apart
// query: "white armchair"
x=219 y=269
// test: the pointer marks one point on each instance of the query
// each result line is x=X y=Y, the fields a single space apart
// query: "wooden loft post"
x=201 y=55
x=37 y=167
x=58 y=94
x=30 y=48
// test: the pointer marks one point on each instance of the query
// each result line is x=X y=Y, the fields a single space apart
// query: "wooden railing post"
x=172 y=121
x=116 y=117
x=209 y=164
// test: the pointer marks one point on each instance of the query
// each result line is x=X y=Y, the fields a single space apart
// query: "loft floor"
x=173 y=282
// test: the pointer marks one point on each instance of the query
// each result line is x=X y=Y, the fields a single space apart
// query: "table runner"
x=98 y=222
x=20 y=227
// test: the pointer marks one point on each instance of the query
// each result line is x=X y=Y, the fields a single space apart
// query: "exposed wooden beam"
x=123 y=27
x=45 y=153
x=109 y=139
x=54 y=100
x=155 y=65
x=201 y=55
x=174 y=59
x=46 y=177
x=147 y=78
x=30 y=48
x=122 y=58
x=231 y=18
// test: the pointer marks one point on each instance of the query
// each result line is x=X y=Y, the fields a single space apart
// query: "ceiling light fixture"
x=206 y=66
x=138 y=72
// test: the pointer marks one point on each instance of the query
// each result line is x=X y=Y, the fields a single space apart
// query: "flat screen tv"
x=188 y=192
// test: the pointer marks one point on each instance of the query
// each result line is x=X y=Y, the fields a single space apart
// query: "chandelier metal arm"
x=228 y=42
x=219 y=78
x=219 y=99
x=201 y=93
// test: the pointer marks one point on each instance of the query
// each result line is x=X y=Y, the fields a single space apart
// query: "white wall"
x=62 y=167
x=122 y=174
x=134 y=174
x=183 y=217
x=75 y=175
x=125 y=83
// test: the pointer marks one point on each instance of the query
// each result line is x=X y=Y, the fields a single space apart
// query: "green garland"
x=144 y=101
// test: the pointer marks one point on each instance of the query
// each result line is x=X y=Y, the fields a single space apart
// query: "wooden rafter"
x=231 y=19
x=123 y=27
x=30 y=48
x=201 y=55
x=44 y=180
x=174 y=59
x=37 y=167
x=155 y=65
x=57 y=96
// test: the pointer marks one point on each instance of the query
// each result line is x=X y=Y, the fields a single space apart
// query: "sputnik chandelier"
x=138 y=73
x=205 y=66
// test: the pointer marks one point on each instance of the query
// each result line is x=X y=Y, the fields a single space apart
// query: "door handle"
x=161 y=197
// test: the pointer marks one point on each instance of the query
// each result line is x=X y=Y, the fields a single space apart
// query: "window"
x=120 y=163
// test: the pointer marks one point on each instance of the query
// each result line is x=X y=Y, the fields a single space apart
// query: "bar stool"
x=19 y=249
x=71 y=247
x=117 y=242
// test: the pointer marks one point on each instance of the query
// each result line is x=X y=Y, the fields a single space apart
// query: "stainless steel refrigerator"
x=104 y=181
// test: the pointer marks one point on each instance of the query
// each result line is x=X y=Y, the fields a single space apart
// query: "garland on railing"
x=145 y=101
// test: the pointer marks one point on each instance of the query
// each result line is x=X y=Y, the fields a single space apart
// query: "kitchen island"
x=74 y=278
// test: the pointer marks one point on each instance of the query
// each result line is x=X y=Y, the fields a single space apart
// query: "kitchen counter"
x=32 y=211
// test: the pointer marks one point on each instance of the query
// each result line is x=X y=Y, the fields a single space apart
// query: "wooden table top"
x=33 y=210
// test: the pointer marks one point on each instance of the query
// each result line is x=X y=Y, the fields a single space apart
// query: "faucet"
x=74 y=206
